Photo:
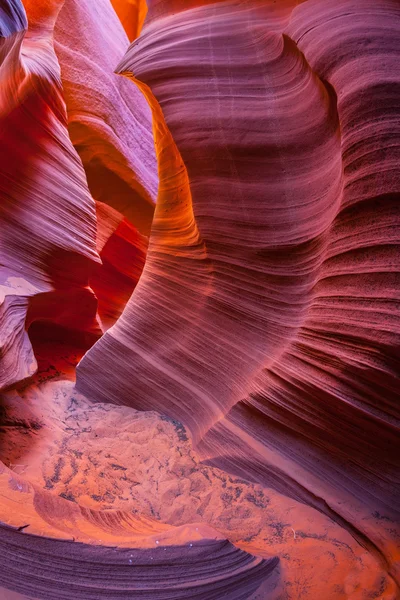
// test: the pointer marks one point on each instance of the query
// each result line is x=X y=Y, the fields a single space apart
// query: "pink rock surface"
x=109 y=120
x=42 y=186
x=267 y=314
x=234 y=433
x=115 y=461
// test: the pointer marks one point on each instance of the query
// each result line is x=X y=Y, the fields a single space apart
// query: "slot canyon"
x=200 y=300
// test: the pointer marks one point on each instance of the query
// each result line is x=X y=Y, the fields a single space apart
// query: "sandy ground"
x=112 y=457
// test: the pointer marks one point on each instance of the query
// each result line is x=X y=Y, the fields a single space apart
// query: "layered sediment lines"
x=266 y=318
x=51 y=547
x=109 y=120
x=241 y=248
x=44 y=264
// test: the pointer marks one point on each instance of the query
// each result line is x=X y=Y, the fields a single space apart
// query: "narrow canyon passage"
x=199 y=311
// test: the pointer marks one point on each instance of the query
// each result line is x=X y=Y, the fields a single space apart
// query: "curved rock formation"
x=108 y=119
x=262 y=337
x=46 y=266
x=267 y=314
x=109 y=123
x=122 y=466
x=42 y=187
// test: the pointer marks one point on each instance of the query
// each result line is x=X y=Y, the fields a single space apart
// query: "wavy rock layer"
x=48 y=544
x=121 y=574
x=265 y=320
x=108 y=119
x=267 y=314
x=57 y=546
x=44 y=265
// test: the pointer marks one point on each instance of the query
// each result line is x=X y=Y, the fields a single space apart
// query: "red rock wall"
x=267 y=318
x=250 y=291
x=42 y=187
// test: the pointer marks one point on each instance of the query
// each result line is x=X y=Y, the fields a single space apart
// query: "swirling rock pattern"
x=137 y=556
x=261 y=337
x=42 y=186
x=273 y=306
x=109 y=121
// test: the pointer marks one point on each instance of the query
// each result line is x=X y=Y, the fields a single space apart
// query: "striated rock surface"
x=109 y=120
x=267 y=314
x=58 y=543
x=136 y=557
x=44 y=264
x=235 y=431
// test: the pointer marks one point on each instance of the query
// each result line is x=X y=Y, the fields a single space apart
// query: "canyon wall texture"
x=233 y=326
